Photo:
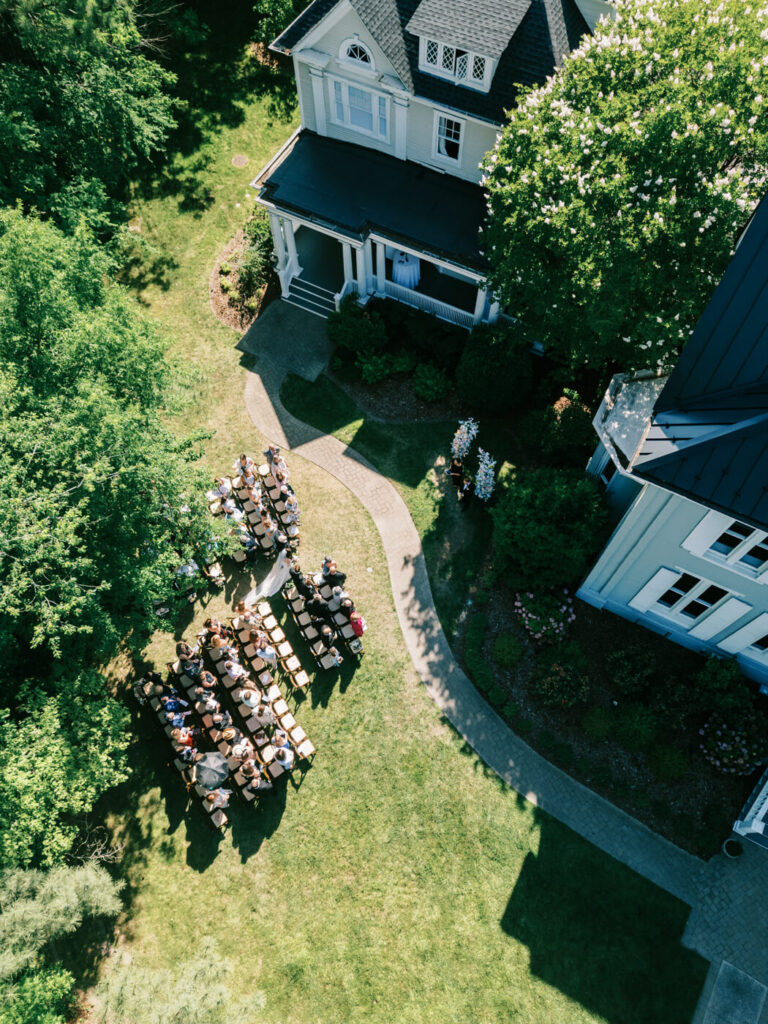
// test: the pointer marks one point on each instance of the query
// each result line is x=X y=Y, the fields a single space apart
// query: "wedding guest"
x=336 y=658
x=219 y=798
x=358 y=624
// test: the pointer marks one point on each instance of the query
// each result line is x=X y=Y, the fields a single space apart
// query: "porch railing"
x=349 y=287
x=421 y=301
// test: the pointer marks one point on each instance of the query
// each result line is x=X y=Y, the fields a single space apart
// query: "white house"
x=378 y=192
x=686 y=456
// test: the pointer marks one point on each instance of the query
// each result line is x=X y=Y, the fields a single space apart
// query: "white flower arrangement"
x=485 y=479
x=463 y=438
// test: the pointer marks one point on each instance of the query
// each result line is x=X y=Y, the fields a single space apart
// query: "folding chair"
x=287 y=721
x=326 y=592
x=239 y=556
x=263 y=608
x=292 y=665
x=280 y=707
x=269 y=622
x=297 y=736
x=347 y=633
x=275 y=770
x=266 y=754
x=303 y=620
x=273 y=693
x=300 y=681
x=306 y=751
x=276 y=635
x=284 y=650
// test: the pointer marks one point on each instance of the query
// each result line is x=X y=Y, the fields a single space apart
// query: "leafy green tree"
x=44 y=997
x=548 y=525
x=276 y=15
x=196 y=989
x=617 y=190
x=495 y=371
x=81 y=106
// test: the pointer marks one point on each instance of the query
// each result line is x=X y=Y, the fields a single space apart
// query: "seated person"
x=172 y=702
x=235 y=670
x=257 y=636
x=212 y=627
x=256 y=496
x=189 y=659
x=248 y=541
x=280 y=738
x=318 y=608
x=223 y=486
x=248 y=697
x=334 y=577
x=209 y=704
x=285 y=757
x=267 y=652
x=176 y=718
x=281 y=541
x=270 y=528
x=222 y=720
x=257 y=783
x=279 y=468
x=184 y=736
x=207 y=680
x=219 y=798
x=358 y=624
x=245 y=469
x=244 y=613
x=227 y=648
x=336 y=658
x=263 y=712
x=231 y=511
x=299 y=581
x=338 y=595
x=242 y=748
x=346 y=608
x=188 y=755
x=327 y=636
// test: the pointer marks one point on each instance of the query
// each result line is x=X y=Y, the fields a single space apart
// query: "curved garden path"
x=287 y=340
x=723 y=893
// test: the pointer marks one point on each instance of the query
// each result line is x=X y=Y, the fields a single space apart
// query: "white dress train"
x=274 y=580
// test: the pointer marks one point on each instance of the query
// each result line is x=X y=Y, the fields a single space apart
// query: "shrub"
x=631 y=669
x=507 y=650
x=545 y=617
x=734 y=747
x=721 y=687
x=225 y=267
x=255 y=264
x=668 y=764
x=355 y=328
x=252 y=304
x=374 y=366
x=510 y=710
x=226 y=284
x=403 y=361
x=495 y=371
x=477 y=667
x=562 y=686
x=636 y=728
x=234 y=295
x=497 y=695
x=482 y=597
x=548 y=525
x=430 y=382
x=598 y=723
x=562 y=433
x=418 y=331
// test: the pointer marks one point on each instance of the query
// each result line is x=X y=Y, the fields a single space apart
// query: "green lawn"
x=402 y=882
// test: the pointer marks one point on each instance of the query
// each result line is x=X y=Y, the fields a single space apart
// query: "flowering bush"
x=484 y=480
x=463 y=438
x=734 y=747
x=545 y=617
x=618 y=188
x=562 y=686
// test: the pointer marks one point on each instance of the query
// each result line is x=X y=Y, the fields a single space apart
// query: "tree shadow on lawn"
x=218 y=76
x=601 y=934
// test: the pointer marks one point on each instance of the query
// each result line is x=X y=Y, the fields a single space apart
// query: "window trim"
x=346 y=85
x=675 y=614
x=734 y=557
x=482 y=84
x=448 y=160
x=357 y=65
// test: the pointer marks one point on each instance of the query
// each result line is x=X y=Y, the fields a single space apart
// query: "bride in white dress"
x=273 y=582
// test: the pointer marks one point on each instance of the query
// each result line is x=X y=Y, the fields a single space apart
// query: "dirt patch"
x=240 y=160
x=694 y=812
x=236 y=316
x=393 y=400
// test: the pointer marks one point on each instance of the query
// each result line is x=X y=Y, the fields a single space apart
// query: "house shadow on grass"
x=601 y=934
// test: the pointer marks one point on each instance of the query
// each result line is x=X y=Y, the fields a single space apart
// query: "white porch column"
x=381 y=267
x=362 y=284
x=493 y=312
x=479 y=305
x=318 y=98
x=346 y=253
x=400 y=106
x=290 y=242
x=368 y=263
x=277 y=239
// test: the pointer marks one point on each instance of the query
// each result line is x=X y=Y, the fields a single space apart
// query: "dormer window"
x=461 y=66
x=352 y=51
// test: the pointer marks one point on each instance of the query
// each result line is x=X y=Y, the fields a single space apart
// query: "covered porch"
x=342 y=215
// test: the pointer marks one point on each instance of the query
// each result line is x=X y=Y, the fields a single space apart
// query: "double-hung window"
x=740 y=544
x=360 y=109
x=690 y=596
x=448 y=137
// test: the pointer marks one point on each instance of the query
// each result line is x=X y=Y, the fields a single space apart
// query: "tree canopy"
x=618 y=189
x=81 y=106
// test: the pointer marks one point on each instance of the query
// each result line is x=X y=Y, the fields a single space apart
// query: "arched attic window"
x=356 y=52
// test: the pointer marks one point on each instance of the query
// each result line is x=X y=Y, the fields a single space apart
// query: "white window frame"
x=674 y=612
x=483 y=84
x=447 y=160
x=707 y=532
x=356 y=65
x=377 y=97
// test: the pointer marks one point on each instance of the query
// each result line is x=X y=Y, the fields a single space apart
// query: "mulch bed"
x=695 y=812
x=237 y=317
x=393 y=400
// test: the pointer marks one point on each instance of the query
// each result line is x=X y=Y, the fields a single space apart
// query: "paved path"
x=727 y=924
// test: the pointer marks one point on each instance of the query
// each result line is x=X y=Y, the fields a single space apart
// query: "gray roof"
x=355 y=190
x=549 y=30
x=485 y=27
x=708 y=438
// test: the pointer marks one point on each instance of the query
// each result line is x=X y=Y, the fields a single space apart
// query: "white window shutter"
x=706 y=533
x=742 y=638
x=653 y=589
x=720 y=619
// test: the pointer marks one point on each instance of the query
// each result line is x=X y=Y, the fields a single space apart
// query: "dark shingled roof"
x=708 y=438
x=548 y=31
x=355 y=190
x=483 y=27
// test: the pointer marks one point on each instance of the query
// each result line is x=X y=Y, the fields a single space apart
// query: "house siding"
x=478 y=139
x=348 y=26
x=650 y=536
x=304 y=87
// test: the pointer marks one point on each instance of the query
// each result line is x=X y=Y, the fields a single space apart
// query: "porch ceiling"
x=358 y=190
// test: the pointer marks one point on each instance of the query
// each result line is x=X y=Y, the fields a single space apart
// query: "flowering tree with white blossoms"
x=485 y=480
x=463 y=438
x=618 y=189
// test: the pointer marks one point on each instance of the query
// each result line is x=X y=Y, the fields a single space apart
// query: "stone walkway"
x=287 y=340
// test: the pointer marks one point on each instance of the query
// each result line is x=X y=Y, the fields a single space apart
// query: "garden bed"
x=238 y=315
x=695 y=810
x=393 y=400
